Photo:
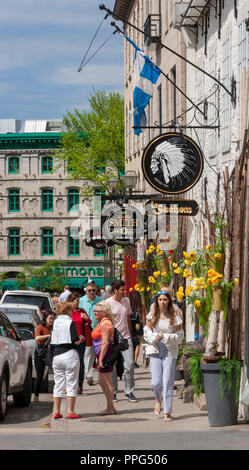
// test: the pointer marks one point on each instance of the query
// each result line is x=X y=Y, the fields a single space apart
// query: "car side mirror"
x=25 y=334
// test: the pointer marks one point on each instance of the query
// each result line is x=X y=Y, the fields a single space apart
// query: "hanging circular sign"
x=172 y=163
x=123 y=225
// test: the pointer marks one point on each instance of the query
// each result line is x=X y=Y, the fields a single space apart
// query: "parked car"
x=41 y=299
x=16 y=309
x=25 y=320
x=15 y=366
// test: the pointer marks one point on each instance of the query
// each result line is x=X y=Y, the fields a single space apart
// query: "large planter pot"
x=221 y=411
x=217 y=303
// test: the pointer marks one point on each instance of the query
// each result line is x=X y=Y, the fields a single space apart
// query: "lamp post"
x=120 y=262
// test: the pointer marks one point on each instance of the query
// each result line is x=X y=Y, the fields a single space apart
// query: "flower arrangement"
x=155 y=271
x=204 y=271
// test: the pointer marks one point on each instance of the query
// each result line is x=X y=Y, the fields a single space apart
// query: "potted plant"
x=207 y=272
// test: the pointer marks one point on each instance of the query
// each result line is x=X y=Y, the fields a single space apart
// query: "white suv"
x=41 y=299
x=15 y=367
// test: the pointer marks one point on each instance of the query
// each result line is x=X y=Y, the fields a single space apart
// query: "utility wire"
x=100 y=47
x=94 y=36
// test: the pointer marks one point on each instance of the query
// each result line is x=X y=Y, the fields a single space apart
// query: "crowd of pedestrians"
x=81 y=335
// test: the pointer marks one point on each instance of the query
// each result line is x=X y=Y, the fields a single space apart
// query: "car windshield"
x=42 y=302
x=24 y=326
x=14 y=310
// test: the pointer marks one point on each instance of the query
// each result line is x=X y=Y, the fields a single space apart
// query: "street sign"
x=173 y=206
x=172 y=163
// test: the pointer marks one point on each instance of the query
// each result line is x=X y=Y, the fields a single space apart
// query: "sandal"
x=73 y=416
x=36 y=399
x=57 y=416
x=167 y=419
x=157 y=409
x=105 y=413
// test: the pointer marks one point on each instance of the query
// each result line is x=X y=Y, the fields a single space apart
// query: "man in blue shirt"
x=87 y=302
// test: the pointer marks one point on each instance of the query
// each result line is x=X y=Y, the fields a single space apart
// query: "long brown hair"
x=157 y=309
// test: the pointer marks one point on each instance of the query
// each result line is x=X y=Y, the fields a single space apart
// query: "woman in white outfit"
x=65 y=359
x=163 y=333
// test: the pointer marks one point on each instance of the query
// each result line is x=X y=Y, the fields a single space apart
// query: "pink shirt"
x=120 y=311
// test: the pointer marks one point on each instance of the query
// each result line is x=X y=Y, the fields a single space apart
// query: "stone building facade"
x=38 y=206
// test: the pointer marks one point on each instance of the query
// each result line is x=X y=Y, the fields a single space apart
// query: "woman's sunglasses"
x=162 y=292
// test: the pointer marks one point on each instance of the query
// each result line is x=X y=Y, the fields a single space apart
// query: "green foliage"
x=46 y=278
x=230 y=376
x=3 y=276
x=93 y=146
x=194 y=369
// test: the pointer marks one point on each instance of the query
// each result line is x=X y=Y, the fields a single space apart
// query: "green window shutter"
x=73 y=199
x=14 y=242
x=99 y=252
x=73 y=245
x=47 y=242
x=14 y=200
x=14 y=165
x=46 y=164
x=47 y=200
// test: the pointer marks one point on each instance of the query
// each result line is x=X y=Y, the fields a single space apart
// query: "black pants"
x=39 y=367
x=81 y=350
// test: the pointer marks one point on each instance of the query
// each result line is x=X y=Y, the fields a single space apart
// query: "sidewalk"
x=131 y=417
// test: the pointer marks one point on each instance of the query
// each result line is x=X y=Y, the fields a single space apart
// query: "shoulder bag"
x=119 y=344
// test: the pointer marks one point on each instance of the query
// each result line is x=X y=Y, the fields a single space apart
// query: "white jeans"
x=66 y=371
x=89 y=361
x=162 y=369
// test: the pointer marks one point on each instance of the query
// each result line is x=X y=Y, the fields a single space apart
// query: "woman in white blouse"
x=163 y=333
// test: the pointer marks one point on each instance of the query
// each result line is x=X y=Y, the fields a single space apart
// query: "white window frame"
x=225 y=98
x=211 y=109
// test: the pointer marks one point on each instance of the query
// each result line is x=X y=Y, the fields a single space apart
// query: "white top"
x=163 y=325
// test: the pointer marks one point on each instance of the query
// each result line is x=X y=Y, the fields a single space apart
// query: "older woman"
x=103 y=336
x=66 y=362
x=83 y=325
x=163 y=333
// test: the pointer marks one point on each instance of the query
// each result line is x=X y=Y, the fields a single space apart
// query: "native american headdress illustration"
x=174 y=161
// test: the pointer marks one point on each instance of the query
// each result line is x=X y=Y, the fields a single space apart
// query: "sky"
x=42 y=44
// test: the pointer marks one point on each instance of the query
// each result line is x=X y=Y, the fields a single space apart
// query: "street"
x=135 y=427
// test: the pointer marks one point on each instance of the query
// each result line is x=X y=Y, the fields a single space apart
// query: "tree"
x=93 y=146
x=46 y=278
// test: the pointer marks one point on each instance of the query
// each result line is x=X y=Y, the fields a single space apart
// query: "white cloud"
x=101 y=75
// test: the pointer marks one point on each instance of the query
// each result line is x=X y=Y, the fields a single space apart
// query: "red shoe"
x=73 y=416
x=57 y=416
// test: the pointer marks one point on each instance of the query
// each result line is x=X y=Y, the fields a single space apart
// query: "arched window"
x=47 y=242
x=47 y=200
x=73 y=199
x=14 y=242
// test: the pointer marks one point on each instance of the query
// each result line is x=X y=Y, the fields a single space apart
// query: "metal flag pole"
x=115 y=16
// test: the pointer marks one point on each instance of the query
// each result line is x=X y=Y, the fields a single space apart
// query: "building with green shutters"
x=38 y=205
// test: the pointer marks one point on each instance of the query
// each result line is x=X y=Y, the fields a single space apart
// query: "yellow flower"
x=160 y=253
x=163 y=273
x=180 y=289
x=151 y=279
x=131 y=289
x=197 y=303
x=158 y=248
x=208 y=247
x=217 y=256
x=174 y=265
x=178 y=270
x=214 y=280
x=192 y=255
x=154 y=292
x=148 y=289
x=196 y=288
x=187 y=262
x=151 y=248
x=209 y=281
x=198 y=281
x=236 y=281
x=133 y=265
x=142 y=289
x=190 y=278
x=211 y=272
x=185 y=254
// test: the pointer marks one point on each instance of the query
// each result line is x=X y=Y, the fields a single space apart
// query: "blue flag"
x=146 y=75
